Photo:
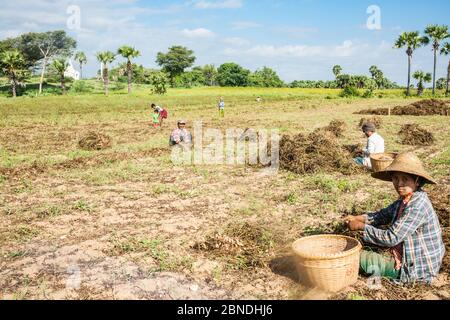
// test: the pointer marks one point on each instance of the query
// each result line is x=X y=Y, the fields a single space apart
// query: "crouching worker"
x=375 y=144
x=414 y=235
x=180 y=135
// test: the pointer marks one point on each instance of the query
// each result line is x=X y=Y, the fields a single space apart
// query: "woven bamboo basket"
x=327 y=262
x=381 y=161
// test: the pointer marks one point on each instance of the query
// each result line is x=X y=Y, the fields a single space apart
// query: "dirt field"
x=125 y=223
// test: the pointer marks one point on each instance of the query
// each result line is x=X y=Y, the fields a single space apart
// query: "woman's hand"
x=349 y=219
x=355 y=223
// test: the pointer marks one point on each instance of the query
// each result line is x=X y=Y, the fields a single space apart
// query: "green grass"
x=154 y=248
x=330 y=184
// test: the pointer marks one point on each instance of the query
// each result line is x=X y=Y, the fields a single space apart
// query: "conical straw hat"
x=406 y=163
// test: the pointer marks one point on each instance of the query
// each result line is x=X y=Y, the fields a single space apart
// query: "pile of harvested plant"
x=377 y=121
x=414 y=135
x=242 y=244
x=319 y=151
x=420 y=108
x=95 y=141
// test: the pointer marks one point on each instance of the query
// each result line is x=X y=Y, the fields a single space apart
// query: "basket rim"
x=344 y=254
x=374 y=156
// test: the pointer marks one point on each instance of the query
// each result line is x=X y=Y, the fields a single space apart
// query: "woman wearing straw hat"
x=414 y=236
x=180 y=135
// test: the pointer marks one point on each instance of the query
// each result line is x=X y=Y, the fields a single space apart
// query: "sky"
x=300 y=39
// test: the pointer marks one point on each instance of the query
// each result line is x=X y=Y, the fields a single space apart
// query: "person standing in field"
x=375 y=144
x=413 y=234
x=155 y=119
x=221 y=106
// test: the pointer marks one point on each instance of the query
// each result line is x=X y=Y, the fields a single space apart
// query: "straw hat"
x=181 y=121
x=406 y=163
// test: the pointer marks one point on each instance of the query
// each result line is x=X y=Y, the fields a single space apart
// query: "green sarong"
x=376 y=264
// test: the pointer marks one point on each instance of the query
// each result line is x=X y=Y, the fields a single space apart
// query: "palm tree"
x=337 y=70
x=60 y=66
x=12 y=63
x=81 y=58
x=436 y=34
x=210 y=73
x=105 y=58
x=129 y=53
x=446 y=51
x=422 y=78
x=412 y=41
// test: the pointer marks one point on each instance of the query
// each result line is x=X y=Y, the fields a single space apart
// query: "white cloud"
x=346 y=49
x=198 y=33
x=236 y=41
x=218 y=4
x=240 y=25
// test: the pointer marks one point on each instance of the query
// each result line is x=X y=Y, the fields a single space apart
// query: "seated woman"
x=180 y=135
x=414 y=235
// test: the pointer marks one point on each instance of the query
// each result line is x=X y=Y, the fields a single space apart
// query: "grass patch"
x=156 y=249
x=50 y=211
x=20 y=233
x=331 y=184
x=292 y=198
x=82 y=205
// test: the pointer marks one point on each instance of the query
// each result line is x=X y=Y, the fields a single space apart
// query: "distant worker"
x=155 y=119
x=375 y=144
x=180 y=135
x=163 y=113
x=221 y=106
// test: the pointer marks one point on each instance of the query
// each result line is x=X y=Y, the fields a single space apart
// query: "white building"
x=71 y=72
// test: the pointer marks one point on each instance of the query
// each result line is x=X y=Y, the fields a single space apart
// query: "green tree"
x=13 y=65
x=421 y=78
x=446 y=51
x=232 y=75
x=129 y=53
x=377 y=76
x=266 y=78
x=337 y=70
x=210 y=74
x=436 y=34
x=412 y=41
x=105 y=58
x=191 y=79
x=159 y=82
x=37 y=47
x=441 y=83
x=175 y=61
x=81 y=58
x=60 y=67
x=50 y=45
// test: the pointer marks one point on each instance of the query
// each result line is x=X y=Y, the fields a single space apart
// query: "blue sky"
x=300 y=39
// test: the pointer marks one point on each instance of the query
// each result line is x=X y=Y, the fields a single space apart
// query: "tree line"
x=32 y=53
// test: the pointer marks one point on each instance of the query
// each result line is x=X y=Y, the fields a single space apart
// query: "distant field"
x=127 y=218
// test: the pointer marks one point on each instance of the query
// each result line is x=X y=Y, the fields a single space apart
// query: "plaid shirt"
x=418 y=229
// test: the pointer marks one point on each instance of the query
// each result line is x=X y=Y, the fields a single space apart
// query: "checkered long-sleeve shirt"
x=418 y=229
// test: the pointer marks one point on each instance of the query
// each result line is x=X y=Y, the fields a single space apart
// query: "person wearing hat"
x=414 y=235
x=180 y=134
x=375 y=144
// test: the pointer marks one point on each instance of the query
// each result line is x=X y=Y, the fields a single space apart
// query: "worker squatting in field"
x=414 y=236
